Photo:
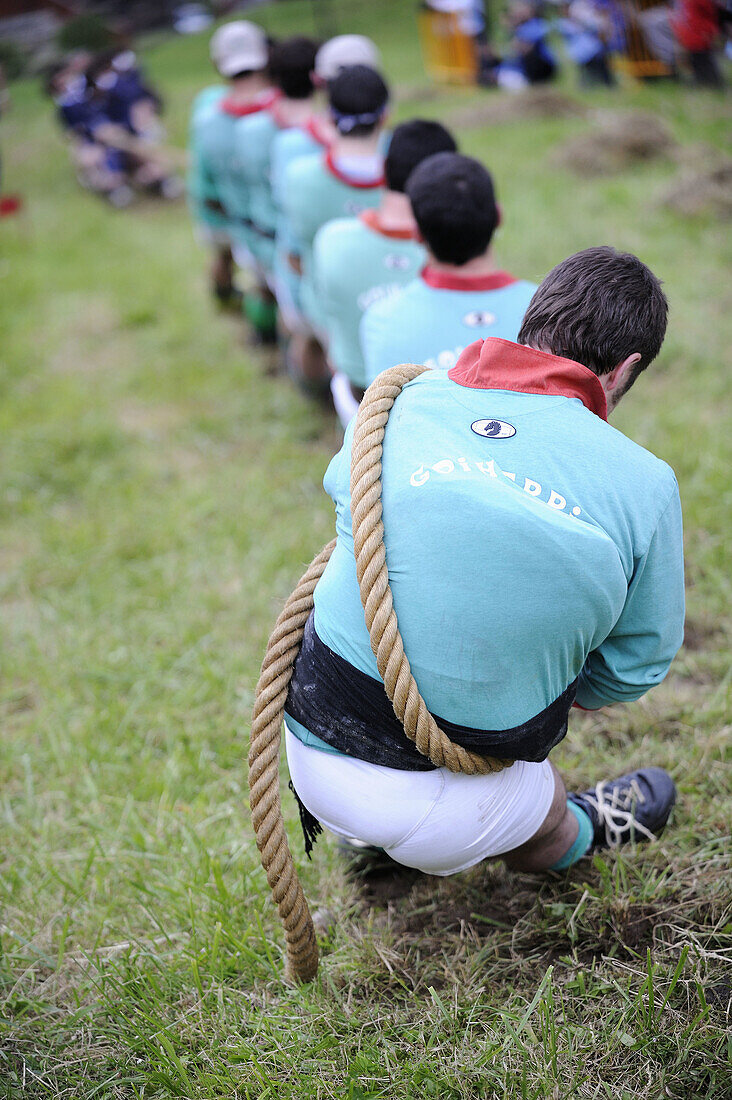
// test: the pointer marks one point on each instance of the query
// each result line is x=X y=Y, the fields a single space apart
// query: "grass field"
x=159 y=497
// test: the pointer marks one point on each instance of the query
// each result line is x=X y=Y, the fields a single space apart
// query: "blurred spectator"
x=687 y=31
x=529 y=59
x=128 y=99
x=696 y=25
x=586 y=30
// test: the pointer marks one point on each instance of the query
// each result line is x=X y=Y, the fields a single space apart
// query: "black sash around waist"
x=351 y=712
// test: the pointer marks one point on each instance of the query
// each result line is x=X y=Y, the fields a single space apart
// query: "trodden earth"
x=160 y=495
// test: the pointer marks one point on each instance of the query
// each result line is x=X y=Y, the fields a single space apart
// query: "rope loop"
x=386 y=642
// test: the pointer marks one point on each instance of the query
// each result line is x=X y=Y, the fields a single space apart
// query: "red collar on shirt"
x=237 y=109
x=335 y=171
x=496 y=364
x=453 y=280
x=275 y=110
x=312 y=127
x=371 y=219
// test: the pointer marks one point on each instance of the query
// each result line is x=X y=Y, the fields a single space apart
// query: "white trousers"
x=436 y=821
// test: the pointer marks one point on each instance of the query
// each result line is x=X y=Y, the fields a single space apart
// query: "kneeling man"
x=460 y=295
x=535 y=560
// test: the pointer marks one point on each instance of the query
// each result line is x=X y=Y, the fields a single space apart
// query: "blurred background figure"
x=291 y=65
x=529 y=59
x=129 y=99
x=360 y=260
x=586 y=30
x=217 y=187
x=314 y=135
x=9 y=204
x=347 y=179
x=111 y=119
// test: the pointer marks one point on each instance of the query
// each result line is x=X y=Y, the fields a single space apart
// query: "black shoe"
x=263 y=338
x=633 y=808
x=228 y=297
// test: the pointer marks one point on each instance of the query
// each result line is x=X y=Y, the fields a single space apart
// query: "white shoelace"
x=615 y=812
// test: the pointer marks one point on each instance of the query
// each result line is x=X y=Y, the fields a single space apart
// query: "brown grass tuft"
x=706 y=191
x=506 y=107
x=617 y=141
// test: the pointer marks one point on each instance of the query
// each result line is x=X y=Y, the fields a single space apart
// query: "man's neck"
x=345 y=145
x=294 y=112
x=481 y=265
x=245 y=88
x=395 y=212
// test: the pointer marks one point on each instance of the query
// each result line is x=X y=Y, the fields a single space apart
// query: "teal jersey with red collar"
x=437 y=315
x=287 y=147
x=316 y=192
x=218 y=162
x=203 y=195
x=290 y=145
x=255 y=138
x=529 y=544
x=356 y=263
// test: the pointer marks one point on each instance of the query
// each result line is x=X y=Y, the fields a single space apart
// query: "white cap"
x=345 y=50
x=239 y=47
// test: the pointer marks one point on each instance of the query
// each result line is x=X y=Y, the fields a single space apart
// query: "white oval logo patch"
x=493 y=429
x=394 y=262
x=479 y=318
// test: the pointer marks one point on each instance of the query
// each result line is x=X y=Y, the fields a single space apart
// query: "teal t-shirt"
x=434 y=317
x=527 y=542
x=356 y=263
x=287 y=147
x=254 y=138
x=314 y=192
x=219 y=161
x=202 y=191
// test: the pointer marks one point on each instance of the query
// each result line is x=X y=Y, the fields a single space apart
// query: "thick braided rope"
x=386 y=642
x=264 y=781
x=373 y=578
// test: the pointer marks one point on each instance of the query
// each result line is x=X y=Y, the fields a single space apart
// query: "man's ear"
x=499 y=219
x=616 y=378
x=615 y=382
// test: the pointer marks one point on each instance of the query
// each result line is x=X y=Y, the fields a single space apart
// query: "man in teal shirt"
x=347 y=179
x=217 y=185
x=535 y=558
x=358 y=261
x=291 y=71
x=461 y=295
x=314 y=136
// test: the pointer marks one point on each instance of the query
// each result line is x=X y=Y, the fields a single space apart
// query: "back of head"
x=291 y=64
x=358 y=97
x=411 y=143
x=239 y=48
x=598 y=307
x=454 y=206
x=343 y=51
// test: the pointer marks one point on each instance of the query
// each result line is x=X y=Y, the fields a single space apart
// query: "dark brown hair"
x=291 y=64
x=598 y=307
x=454 y=206
x=411 y=143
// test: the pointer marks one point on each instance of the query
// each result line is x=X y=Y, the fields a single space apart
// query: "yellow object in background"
x=450 y=55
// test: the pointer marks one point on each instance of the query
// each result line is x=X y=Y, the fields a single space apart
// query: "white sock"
x=345 y=403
